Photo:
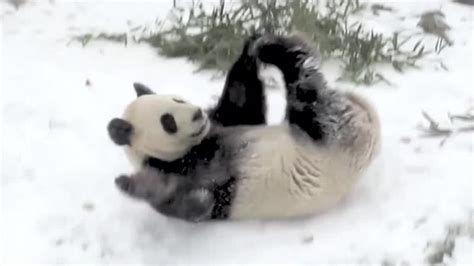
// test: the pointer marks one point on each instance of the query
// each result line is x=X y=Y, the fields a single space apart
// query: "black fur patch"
x=198 y=115
x=120 y=131
x=141 y=89
x=304 y=106
x=243 y=98
x=223 y=195
x=169 y=124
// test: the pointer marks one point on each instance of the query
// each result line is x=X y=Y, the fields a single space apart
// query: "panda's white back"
x=284 y=173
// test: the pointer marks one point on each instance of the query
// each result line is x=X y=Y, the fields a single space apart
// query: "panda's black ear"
x=141 y=89
x=120 y=131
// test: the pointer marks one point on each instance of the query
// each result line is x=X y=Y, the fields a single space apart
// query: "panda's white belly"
x=284 y=173
x=278 y=177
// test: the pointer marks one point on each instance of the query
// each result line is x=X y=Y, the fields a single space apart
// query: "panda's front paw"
x=125 y=184
x=199 y=204
x=120 y=131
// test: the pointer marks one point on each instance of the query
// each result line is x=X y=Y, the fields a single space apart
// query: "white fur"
x=284 y=173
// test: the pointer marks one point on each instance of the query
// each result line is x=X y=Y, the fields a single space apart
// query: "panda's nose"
x=197 y=115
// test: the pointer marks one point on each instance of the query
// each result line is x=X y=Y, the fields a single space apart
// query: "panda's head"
x=160 y=126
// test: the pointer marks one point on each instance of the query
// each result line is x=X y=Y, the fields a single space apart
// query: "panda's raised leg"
x=242 y=101
x=306 y=89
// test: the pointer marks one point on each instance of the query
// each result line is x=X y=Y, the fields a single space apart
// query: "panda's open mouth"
x=201 y=129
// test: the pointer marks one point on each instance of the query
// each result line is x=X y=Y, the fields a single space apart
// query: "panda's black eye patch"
x=168 y=123
x=178 y=100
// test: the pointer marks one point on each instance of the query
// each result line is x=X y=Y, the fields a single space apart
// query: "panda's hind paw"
x=249 y=43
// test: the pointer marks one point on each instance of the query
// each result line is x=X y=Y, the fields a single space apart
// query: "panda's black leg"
x=193 y=205
x=126 y=185
x=306 y=88
x=148 y=185
x=181 y=201
x=305 y=109
x=242 y=101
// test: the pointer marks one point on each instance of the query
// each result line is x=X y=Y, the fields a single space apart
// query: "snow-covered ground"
x=60 y=206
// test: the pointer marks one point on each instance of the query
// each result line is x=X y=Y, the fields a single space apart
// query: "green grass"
x=213 y=38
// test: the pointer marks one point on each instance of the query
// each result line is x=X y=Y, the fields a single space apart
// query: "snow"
x=60 y=206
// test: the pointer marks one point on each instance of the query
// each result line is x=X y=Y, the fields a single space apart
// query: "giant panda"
x=226 y=163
